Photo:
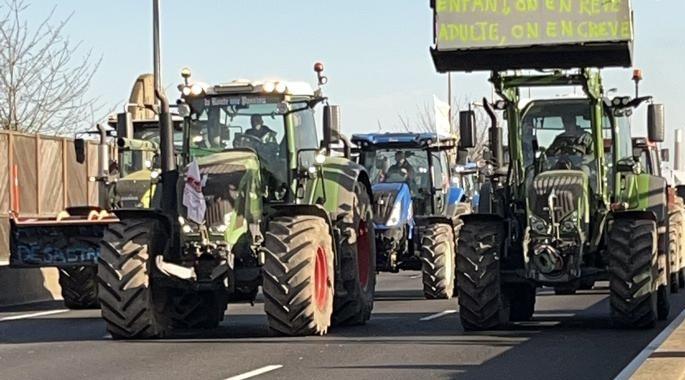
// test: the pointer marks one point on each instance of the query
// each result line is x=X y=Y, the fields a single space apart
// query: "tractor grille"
x=568 y=186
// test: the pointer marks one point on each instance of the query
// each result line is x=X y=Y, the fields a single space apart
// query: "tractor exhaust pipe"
x=495 y=133
x=166 y=133
x=677 y=160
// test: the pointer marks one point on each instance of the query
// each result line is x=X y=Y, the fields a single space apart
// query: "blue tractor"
x=418 y=201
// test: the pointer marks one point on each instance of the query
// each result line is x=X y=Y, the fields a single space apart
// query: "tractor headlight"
x=395 y=215
x=196 y=89
x=568 y=226
x=538 y=225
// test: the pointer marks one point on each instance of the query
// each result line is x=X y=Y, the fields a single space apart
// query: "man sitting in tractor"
x=574 y=140
x=258 y=129
x=401 y=167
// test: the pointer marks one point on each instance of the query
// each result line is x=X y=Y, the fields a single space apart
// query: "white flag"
x=193 y=198
x=443 y=126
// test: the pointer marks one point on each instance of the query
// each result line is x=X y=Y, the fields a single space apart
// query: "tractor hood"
x=231 y=190
x=134 y=190
x=392 y=204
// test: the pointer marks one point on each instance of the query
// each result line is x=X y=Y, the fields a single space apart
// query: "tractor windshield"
x=562 y=129
x=398 y=165
x=255 y=122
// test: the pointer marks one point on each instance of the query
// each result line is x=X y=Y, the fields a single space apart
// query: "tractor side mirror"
x=331 y=125
x=665 y=155
x=467 y=129
x=80 y=150
x=656 y=122
x=124 y=125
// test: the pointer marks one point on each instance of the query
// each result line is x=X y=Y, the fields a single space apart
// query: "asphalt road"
x=407 y=338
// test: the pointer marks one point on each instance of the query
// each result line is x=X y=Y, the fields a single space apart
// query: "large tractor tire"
x=357 y=250
x=676 y=226
x=298 y=275
x=482 y=304
x=129 y=302
x=438 y=255
x=674 y=251
x=189 y=309
x=79 y=287
x=521 y=298
x=633 y=271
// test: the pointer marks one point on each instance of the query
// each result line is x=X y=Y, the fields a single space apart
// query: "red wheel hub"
x=363 y=253
x=321 y=279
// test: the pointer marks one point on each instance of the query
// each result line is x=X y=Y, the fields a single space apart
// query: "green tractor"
x=561 y=213
x=251 y=199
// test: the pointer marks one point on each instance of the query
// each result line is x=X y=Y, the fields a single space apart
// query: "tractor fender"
x=426 y=220
x=340 y=177
x=166 y=223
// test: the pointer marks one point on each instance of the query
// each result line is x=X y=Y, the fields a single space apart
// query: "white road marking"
x=633 y=366
x=38 y=314
x=438 y=315
x=415 y=276
x=256 y=372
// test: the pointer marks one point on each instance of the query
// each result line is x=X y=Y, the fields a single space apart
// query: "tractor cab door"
x=440 y=181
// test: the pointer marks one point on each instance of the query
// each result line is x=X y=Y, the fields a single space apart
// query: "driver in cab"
x=574 y=140
x=401 y=167
x=258 y=129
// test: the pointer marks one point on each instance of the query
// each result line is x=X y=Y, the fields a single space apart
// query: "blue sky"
x=376 y=52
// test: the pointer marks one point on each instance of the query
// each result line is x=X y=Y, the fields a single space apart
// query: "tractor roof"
x=403 y=140
x=262 y=87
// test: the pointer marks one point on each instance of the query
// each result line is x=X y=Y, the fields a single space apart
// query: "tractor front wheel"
x=298 y=275
x=79 y=287
x=633 y=271
x=481 y=303
x=130 y=306
x=437 y=258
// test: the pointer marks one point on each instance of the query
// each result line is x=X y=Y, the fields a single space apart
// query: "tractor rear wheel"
x=357 y=250
x=521 y=299
x=481 y=302
x=633 y=272
x=437 y=258
x=130 y=305
x=298 y=275
x=79 y=287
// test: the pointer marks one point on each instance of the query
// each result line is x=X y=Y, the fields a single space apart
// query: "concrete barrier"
x=28 y=285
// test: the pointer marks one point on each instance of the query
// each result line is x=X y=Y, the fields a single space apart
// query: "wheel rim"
x=363 y=253
x=321 y=279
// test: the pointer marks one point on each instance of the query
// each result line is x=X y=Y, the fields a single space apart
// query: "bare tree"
x=44 y=76
x=424 y=121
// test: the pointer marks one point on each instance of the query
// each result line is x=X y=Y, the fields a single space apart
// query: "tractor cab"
x=421 y=161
